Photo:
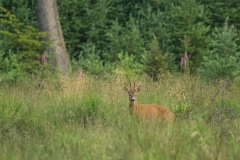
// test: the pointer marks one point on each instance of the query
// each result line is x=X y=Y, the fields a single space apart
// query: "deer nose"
x=133 y=99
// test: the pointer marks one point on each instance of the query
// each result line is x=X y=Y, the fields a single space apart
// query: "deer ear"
x=127 y=89
x=138 y=89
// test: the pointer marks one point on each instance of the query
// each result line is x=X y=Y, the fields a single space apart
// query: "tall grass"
x=88 y=118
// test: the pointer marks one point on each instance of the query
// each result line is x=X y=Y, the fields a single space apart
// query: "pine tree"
x=190 y=32
x=223 y=60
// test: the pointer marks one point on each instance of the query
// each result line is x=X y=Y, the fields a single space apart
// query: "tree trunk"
x=48 y=21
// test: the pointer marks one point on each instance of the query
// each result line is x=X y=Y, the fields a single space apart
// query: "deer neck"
x=132 y=106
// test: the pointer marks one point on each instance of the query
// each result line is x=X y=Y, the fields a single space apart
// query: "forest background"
x=154 y=37
x=189 y=46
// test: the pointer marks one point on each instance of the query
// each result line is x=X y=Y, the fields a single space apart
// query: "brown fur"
x=147 y=112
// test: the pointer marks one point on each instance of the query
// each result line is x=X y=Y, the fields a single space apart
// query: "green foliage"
x=157 y=63
x=88 y=24
x=90 y=61
x=132 y=30
x=129 y=65
x=24 y=43
x=191 y=33
x=126 y=64
x=220 y=10
x=124 y=39
x=114 y=26
x=223 y=60
x=10 y=68
x=24 y=9
x=154 y=21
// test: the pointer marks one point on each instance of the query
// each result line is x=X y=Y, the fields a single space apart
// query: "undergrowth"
x=88 y=118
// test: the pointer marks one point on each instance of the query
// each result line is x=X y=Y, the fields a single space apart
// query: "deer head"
x=132 y=92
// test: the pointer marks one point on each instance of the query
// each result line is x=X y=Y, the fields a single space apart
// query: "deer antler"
x=132 y=88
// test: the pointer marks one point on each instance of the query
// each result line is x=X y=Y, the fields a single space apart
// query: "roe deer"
x=147 y=112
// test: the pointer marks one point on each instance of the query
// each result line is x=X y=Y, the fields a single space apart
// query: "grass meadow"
x=87 y=118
